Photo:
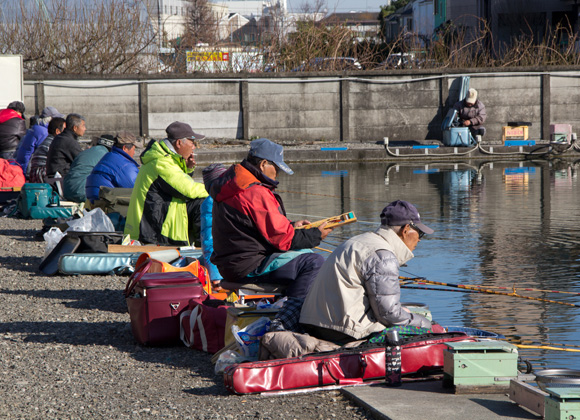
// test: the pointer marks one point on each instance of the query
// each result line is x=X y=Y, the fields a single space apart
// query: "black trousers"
x=298 y=274
x=477 y=131
x=194 y=220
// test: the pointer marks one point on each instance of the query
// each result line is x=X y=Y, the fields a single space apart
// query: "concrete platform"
x=397 y=152
x=429 y=400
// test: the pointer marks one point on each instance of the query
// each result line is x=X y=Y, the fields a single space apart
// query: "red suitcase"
x=155 y=302
x=422 y=353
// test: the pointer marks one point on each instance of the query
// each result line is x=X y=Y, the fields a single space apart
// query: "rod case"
x=419 y=354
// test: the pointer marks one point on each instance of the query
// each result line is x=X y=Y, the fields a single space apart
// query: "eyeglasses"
x=274 y=165
x=419 y=231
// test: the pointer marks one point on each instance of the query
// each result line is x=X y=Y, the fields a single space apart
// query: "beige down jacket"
x=357 y=289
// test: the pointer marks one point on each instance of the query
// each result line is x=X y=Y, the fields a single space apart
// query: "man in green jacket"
x=165 y=203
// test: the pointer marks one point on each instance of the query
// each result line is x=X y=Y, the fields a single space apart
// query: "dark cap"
x=211 y=173
x=126 y=137
x=106 y=140
x=266 y=149
x=400 y=213
x=178 y=130
x=51 y=111
x=17 y=106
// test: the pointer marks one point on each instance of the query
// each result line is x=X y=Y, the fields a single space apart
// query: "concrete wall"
x=212 y=107
x=289 y=109
x=360 y=106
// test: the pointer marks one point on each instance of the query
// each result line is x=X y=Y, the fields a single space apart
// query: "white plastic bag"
x=248 y=338
x=93 y=221
x=228 y=358
x=52 y=238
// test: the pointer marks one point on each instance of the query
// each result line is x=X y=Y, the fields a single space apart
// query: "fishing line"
x=329 y=195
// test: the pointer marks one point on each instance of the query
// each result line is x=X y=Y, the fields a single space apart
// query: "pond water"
x=497 y=225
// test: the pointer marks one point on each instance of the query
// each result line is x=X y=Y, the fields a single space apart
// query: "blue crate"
x=474 y=332
x=520 y=143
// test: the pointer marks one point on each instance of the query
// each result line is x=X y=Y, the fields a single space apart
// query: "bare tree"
x=64 y=36
x=201 y=25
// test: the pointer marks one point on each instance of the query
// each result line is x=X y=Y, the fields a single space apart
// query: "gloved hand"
x=436 y=328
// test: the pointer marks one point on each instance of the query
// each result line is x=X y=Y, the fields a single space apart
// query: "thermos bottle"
x=393 y=359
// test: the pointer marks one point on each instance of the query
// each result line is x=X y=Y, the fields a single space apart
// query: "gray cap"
x=179 y=130
x=51 y=111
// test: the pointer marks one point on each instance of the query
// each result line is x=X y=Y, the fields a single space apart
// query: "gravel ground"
x=67 y=352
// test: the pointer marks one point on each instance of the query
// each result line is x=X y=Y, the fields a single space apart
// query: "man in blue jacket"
x=117 y=169
x=35 y=136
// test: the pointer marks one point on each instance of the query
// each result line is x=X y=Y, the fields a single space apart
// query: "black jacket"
x=12 y=129
x=63 y=150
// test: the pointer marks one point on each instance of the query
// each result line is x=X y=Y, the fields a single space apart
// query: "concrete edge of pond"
x=396 y=152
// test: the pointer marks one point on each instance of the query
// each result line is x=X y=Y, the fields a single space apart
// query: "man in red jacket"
x=12 y=129
x=254 y=242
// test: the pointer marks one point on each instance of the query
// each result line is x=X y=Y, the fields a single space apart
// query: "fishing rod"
x=530 y=342
x=513 y=288
x=488 y=291
x=404 y=286
x=525 y=346
x=528 y=289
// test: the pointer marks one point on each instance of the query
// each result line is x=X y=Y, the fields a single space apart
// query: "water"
x=500 y=224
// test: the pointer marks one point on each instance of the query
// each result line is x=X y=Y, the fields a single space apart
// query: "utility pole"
x=159 y=31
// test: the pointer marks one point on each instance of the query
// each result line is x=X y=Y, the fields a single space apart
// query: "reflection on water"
x=497 y=224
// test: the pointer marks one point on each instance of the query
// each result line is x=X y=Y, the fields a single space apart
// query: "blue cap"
x=266 y=149
x=400 y=213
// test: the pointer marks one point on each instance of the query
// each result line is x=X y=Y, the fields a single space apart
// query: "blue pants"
x=298 y=274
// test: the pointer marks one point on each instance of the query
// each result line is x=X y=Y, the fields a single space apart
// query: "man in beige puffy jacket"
x=356 y=292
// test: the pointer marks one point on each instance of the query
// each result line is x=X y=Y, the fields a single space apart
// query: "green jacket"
x=157 y=212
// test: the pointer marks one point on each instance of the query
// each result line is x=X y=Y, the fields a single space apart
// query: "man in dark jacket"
x=65 y=147
x=38 y=160
x=117 y=169
x=254 y=242
x=12 y=129
x=471 y=113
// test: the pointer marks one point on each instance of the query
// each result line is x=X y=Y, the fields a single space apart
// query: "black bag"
x=92 y=242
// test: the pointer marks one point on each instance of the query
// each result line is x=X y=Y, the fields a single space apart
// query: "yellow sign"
x=207 y=56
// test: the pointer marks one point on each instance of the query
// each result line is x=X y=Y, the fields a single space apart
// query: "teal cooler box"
x=452 y=135
x=37 y=201
x=457 y=136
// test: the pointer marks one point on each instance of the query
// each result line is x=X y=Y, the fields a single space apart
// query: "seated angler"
x=471 y=113
x=81 y=167
x=165 y=205
x=117 y=169
x=356 y=292
x=254 y=241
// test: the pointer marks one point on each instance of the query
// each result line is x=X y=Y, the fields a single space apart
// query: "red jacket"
x=250 y=223
x=12 y=129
